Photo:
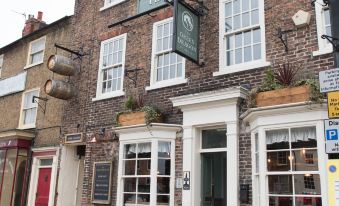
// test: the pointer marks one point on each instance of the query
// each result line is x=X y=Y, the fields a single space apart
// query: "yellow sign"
x=333 y=104
x=333 y=182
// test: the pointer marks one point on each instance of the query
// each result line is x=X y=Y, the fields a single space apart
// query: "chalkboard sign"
x=73 y=138
x=101 y=188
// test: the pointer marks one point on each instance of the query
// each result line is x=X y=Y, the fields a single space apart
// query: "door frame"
x=38 y=154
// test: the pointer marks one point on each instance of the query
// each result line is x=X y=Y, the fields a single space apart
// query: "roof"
x=35 y=32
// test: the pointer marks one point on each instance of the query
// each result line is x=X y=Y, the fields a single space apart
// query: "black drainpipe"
x=334 y=13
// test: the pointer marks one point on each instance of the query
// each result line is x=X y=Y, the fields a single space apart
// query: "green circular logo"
x=187 y=21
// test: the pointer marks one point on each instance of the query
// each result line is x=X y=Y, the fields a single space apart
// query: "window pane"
x=130 y=184
x=130 y=150
x=8 y=177
x=143 y=199
x=278 y=161
x=164 y=167
x=2 y=163
x=144 y=167
x=245 y=19
x=277 y=139
x=255 y=17
x=238 y=56
x=257 y=52
x=254 y=4
x=307 y=184
x=37 y=57
x=164 y=149
x=305 y=160
x=304 y=137
x=19 y=181
x=230 y=58
x=228 y=9
x=144 y=150
x=163 y=185
x=46 y=162
x=280 y=201
x=214 y=138
x=280 y=184
x=305 y=201
x=247 y=54
x=236 y=6
x=236 y=22
x=230 y=42
x=245 y=5
x=129 y=167
x=256 y=36
x=144 y=185
x=163 y=199
x=129 y=199
x=228 y=24
x=29 y=116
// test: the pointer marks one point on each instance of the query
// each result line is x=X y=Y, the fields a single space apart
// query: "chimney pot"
x=40 y=13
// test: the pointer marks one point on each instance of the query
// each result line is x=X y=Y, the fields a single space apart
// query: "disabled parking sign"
x=332 y=135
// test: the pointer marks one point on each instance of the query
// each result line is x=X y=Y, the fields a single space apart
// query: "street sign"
x=331 y=135
x=329 y=80
x=333 y=104
x=186 y=31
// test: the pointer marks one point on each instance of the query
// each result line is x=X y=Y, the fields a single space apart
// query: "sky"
x=12 y=23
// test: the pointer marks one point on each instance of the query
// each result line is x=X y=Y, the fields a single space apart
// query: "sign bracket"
x=43 y=108
x=334 y=41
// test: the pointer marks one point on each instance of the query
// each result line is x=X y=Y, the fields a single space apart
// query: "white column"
x=232 y=164
x=187 y=163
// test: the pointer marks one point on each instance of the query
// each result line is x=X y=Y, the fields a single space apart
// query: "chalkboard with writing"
x=101 y=189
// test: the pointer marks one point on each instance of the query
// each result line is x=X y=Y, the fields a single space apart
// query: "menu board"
x=102 y=178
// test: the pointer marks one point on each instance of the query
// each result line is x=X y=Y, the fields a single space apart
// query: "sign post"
x=186 y=31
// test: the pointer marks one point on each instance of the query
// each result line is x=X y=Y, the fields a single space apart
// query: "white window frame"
x=108 y=4
x=143 y=134
x=117 y=93
x=223 y=68
x=29 y=64
x=164 y=83
x=21 y=119
x=324 y=47
x=1 y=63
x=262 y=196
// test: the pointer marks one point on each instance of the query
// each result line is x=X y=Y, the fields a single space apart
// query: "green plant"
x=269 y=82
x=151 y=114
x=130 y=104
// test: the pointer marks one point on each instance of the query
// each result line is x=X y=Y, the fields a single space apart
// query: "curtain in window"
x=303 y=134
x=164 y=147
x=276 y=136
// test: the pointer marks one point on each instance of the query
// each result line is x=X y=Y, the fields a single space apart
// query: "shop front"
x=14 y=164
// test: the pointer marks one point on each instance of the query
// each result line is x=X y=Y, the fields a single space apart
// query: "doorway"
x=44 y=181
x=213 y=155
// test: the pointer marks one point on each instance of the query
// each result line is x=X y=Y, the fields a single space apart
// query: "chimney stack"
x=32 y=24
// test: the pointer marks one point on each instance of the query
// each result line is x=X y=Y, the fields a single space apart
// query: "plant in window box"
x=287 y=84
x=136 y=113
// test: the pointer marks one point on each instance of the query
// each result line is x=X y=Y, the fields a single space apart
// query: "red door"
x=44 y=181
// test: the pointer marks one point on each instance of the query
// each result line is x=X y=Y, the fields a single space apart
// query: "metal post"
x=334 y=13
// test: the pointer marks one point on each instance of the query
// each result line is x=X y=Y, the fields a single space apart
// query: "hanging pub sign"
x=102 y=181
x=146 y=5
x=186 y=31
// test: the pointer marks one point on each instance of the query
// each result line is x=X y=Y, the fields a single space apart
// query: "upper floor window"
x=241 y=34
x=109 y=3
x=36 y=51
x=323 y=28
x=111 y=68
x=29 y=109
x=168 y=68
x=1 y=63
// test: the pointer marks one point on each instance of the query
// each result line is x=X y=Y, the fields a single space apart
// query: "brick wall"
x=91 y=27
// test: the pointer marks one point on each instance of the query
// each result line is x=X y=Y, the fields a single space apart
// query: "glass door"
x=214 y=179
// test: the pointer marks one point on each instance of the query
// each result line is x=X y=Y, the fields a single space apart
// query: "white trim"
x=164 y=83
x=323 y=47
x=223 y=68
x=290 y=116
x=152 y=133
x=28 y=64
x=107 y=5
x=27 y=126
x=35 y=175
x=117 y=93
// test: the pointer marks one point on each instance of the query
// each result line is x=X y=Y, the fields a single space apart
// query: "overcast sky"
x=11 y=23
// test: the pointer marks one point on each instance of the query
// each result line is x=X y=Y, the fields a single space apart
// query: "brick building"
x=210 y=149
x=30 y=124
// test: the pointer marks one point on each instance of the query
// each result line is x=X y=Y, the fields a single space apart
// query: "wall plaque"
x=73 y=138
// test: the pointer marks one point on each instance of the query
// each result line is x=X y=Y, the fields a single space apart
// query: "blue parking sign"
x=332 y=134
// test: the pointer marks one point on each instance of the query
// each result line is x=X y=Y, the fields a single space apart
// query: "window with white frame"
x=296 y=182
x=323 y=28
x=36 y=51
x=167 y=66
x=111 y=68
x=29 y=109
x=241 y=32
x=141 y=185
x=109 y=3
x=1 y=63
